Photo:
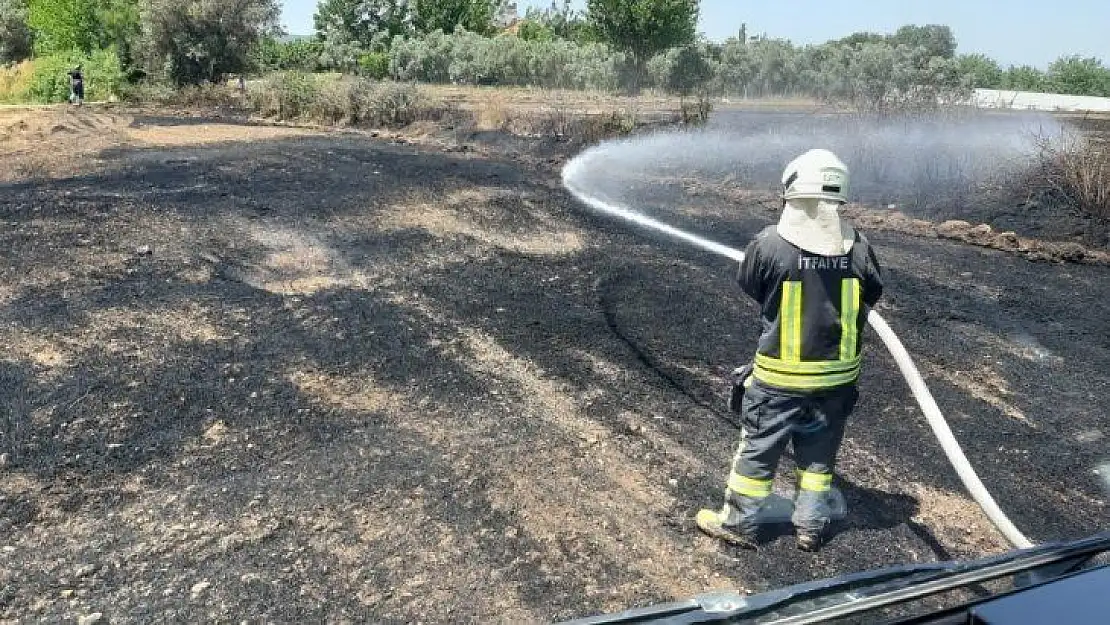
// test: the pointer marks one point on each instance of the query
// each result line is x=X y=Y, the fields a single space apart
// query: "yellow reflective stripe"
x=805 y=382
x=849 y=314
x=808 y=367
x=749 y=486
x=818 y=482
x=790 y=321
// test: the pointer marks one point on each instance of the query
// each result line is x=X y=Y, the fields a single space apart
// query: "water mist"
x=902 y=162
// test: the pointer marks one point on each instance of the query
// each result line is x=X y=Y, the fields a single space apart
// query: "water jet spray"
x=571 y=175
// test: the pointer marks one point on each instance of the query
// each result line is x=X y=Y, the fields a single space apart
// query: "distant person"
x=242 y=84
x=814 y=278
x=76 y=86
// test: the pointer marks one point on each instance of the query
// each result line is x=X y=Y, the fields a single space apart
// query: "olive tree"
x=643 y=28
x=192 y=41
x=15 y=35
x=476 y=16
x=368 y=24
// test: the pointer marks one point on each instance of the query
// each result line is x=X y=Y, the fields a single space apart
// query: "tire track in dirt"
x=607 y=305
x=547 y=516
x=546 y=487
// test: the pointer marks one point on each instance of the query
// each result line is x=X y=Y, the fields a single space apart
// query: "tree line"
x=612 y=44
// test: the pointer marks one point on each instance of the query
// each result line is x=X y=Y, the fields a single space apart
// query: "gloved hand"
x=740 y=379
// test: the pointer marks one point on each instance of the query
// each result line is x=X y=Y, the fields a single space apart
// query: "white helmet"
x=817 y=174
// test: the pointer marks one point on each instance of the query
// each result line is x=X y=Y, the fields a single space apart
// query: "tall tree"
x=563 y=21
x=1023 y=78
x=476 y=16
x=15 y=34
x=119 y=27
x=64 y=25
x=1079 y=76
x=689 y=72
x=857 y=39
x=191 y=41
x=937 y=39
x=980 y=70
x=643 y=28
x=367 y=23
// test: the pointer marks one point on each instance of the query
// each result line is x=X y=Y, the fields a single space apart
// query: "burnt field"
x=271 y=374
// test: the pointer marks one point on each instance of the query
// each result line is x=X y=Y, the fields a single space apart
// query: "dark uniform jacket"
x=813 y=311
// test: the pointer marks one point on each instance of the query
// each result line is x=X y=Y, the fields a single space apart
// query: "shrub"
x=273 y=55
x=15 y=80
x=334 y=101
x=594 y=66
x=505 y=60
x=374 y=65
x=695 y=112
x=425 y=60
x=683 y=70
x=394 y=105
x=49 y=81
x=208 y=94
x=343 y=100
x=149 y=91
x=1074 y=168
x=285 y=95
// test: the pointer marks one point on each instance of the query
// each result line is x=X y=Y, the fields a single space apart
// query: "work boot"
x=809 y=540
x=719 y=525
x=811 y=518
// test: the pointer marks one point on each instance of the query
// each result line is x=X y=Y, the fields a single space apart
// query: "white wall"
x=1026 y=100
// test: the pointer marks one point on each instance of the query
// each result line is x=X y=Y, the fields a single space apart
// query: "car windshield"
x=903 y=592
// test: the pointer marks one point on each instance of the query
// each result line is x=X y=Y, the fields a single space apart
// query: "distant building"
x=1031 y=101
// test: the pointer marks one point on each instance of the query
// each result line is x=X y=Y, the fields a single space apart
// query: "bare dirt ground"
x=279 y=375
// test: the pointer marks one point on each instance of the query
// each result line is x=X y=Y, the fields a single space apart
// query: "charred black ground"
x=314 y=376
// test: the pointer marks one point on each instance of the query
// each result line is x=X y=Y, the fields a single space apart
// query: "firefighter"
x=814 y=278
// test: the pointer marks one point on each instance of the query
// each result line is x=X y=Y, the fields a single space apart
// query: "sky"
x=1014 y=32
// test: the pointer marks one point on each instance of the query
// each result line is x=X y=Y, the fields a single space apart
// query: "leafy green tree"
x=476 y=16
x=191 y=41
x=64 y=25
x=533 y=30
x=643 y=28
x=1024 y=78
x=690 y=72
x=937 y=39
x=563 y=21
x=340 y=53
x=119 y=28
x=1079 y=76
x=736 y=70
x=49 y=83
x=371 y=24
x=859 y=38
x=981 y=71
x=775 y=64
x=15 y=34
x=272 y=54
x=374 y=65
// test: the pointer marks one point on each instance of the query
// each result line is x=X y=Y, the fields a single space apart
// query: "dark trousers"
x=813 y=424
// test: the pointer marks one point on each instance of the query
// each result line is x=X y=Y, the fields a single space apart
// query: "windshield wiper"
x=823 y=600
